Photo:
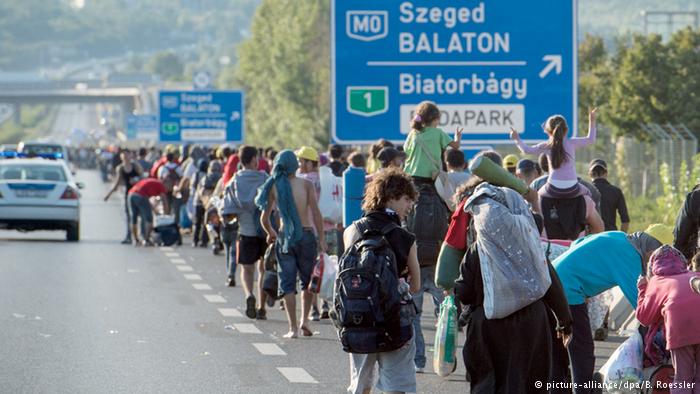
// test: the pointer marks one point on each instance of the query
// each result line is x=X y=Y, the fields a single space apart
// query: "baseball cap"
x=510 y=161
x=598 y=163
x=388 y=154
x=526 y=165
x=307 y=153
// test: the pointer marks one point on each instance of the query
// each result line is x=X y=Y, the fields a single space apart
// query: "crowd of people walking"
x=532 y=245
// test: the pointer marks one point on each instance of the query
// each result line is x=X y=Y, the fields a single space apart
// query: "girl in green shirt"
x=426 y=142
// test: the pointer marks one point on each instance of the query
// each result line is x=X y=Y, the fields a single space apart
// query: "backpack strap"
x=389 y=228
x=363 y=227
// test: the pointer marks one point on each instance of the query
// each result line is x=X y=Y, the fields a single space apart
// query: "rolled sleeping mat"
x=447 y=270
x=486 y=169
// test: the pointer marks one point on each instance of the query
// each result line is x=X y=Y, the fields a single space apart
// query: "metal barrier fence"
x=634 y=164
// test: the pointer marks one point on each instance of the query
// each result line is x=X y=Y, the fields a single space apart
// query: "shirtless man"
x=296 y=247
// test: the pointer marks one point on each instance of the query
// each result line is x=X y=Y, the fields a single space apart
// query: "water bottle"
x=407 y=311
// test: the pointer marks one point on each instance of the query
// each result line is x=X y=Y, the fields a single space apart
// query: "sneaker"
x=250 y=307
x=126 y=241
x=261 y=314
x=231 y=282
x=281 y=305
x=324 y=315
x=315 y=315
x=420 y=370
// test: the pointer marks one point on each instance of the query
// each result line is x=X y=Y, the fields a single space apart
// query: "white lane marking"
x=166 y=249
x=178 y=261
x=172 y=254
x=193 y=277
x=185 y=268
x=230 y=312
x=215 y=298
x=201 y=286
x=247 y=328
x=269 y=349
x=296 y=375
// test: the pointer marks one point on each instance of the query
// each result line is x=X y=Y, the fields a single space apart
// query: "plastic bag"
x=331 y=198
x=163 y=220
x=330 y=269
x=444 y=360
x=625 y=365
x=512 y=261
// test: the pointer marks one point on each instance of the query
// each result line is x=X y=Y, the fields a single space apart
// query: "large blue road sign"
x=142 y=127
x=489 y=65
x=201 y=116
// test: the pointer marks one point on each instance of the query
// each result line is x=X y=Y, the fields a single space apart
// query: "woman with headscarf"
x=296 y=247
x=591 y=266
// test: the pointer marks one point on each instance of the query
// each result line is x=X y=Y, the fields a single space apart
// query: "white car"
x=57 y=151
x=39 y=194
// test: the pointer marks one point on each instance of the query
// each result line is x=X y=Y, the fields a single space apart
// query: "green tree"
x=595 y=76
x=284 y=68
x=684 y=80
x=166 y=64
x=640 y=91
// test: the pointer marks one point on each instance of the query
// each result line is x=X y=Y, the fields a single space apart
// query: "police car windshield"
x=32 y=172
x=41 y=149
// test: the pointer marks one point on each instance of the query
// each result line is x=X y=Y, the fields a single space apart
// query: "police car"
x=39 y=193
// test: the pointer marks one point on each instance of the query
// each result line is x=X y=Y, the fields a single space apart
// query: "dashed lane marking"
x=296 y=375
x=215 y=298
x=172 y=254
x=230 y=312
x=185 y=268
x=269 y=349
x=201 y=286
x=178 y=261
x=193 y=277
x=247 y=328
x=166 y=249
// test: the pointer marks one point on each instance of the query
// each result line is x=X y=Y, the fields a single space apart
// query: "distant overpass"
x=127 y=97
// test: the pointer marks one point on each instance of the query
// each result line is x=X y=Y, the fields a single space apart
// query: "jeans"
x=427 y=278
x=298 y=262
x=200 y=229
x=128 y=218
x=140 y=207
x=229 y=234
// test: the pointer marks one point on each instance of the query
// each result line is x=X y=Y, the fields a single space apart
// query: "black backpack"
x=366 y=301
x=428 y=221
x=564 y=218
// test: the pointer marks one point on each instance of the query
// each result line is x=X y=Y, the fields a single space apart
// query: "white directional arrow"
x=554 y=62
x=235 y=116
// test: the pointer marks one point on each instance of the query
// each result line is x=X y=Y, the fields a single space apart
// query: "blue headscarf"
x=285 y=164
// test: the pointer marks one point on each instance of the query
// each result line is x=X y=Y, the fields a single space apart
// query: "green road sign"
x=368 y=100
x=171 y=128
